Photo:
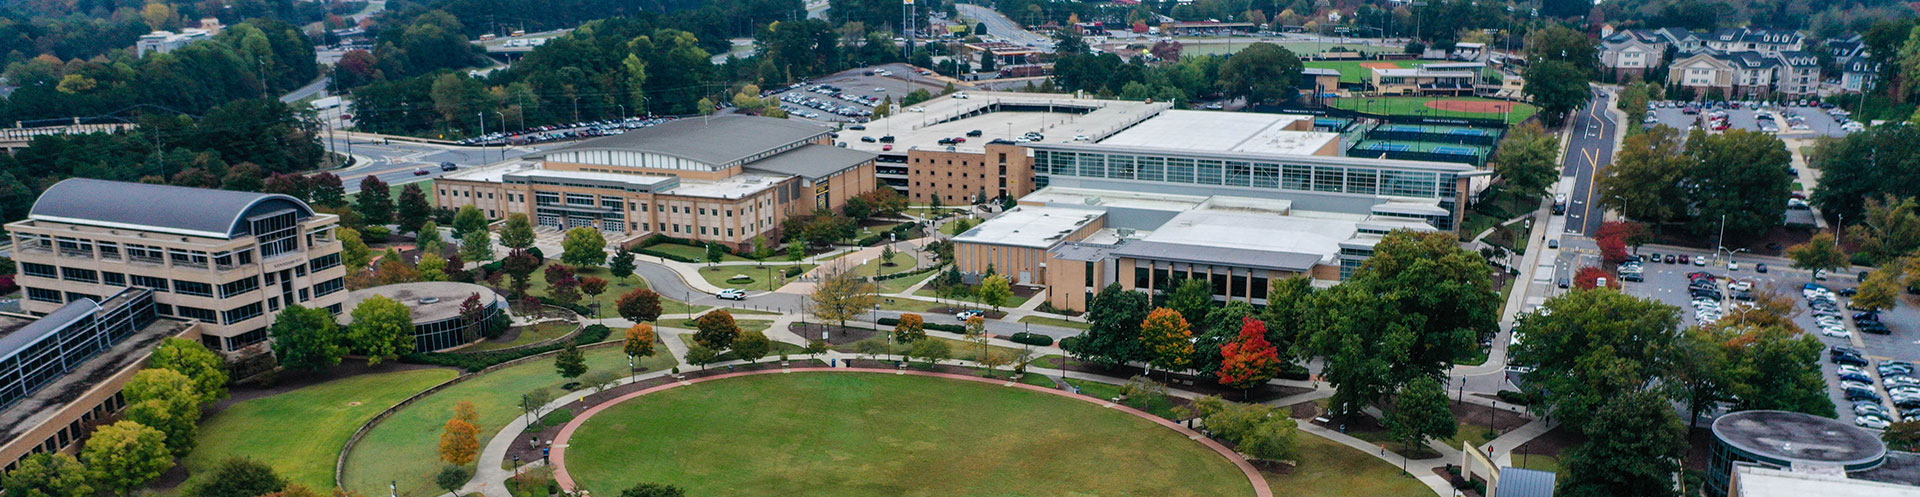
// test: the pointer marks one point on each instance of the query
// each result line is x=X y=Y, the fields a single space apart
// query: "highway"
x=1589 y=150
x=1003 y=27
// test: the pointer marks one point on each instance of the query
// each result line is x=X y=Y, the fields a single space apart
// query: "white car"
x=968 y=314
x=731 y=294
x=1844 y=369
x=1871 y=422
x=961 y=96
x=1836 y=333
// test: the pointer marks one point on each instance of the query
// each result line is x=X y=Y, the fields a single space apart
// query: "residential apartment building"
x=722 y=179
x=1631 y=54
x=230 y=260
x=1742 y=63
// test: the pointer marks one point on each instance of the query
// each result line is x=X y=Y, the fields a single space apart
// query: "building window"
x=38 y=270
x=80 y=275
x=324 y=262
x=155 y=284
x=43 y=295
x=325 y=288
x=249 y=338
x=193 y=288
x=115 y=279
x=240 y=286
x=241 y=313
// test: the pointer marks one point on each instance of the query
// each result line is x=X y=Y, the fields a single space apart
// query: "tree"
x=1820 y=253
x=353 y=252
x=467 y=220
x=1421 y=413
x=1875 y=164
x=188 y=357
x=534 y=401
x=933 y=351
x=1114 y=337
x=165 y=400
x=48 y=474
x=1192 y=297
x=842 y=296
x=1527 y=160
x=762 y=249
x=1735 y=183
x=1634 y=446
x=124 y=456
x=452 y=477
x=1588 y=278
x=517 y=233
x=1250 y=360
x=477 y=245
x=459 y=442
x=1592 y=347
x=716 y=329
x=653 y=490
x=700 y=355
x=1558 y=87
x=1167 y=338
x=413 y=210
x=432 y=267
x=584 y=247
x=240 y=477
x=1559 y=43
x=911 y=328
x=570 y=362
x=520 y=265
x=1257 y=429
x=639 y=341
x=1263 y=73
x=1902 y=436
x=750 y=346
x=593 y=287
x=1881 y=290
x=621 y=266
x=639 y=305
x=887 y=254
x=994 y=291
x=796 y=252
x=375 y=201
x=382 y=329
x=1778 y=369
x=1890 y=229
x=1644 y=180
x=306 y=339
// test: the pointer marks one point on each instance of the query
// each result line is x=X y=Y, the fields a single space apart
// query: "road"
x=1003 y=27
x=1589 y=149
x=394 y=162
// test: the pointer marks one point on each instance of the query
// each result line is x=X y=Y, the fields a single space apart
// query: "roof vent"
x=430 y=300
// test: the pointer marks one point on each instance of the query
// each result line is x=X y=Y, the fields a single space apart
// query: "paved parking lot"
x=1817 y=120
x=856 y=82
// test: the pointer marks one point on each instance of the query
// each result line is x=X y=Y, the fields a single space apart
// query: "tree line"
x=259 y=58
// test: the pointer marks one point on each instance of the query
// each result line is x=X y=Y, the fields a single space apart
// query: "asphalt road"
x=1589 y=150
x=1004 y=28
x=395 y=162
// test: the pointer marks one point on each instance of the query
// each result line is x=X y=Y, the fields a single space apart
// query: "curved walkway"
x=559 y=455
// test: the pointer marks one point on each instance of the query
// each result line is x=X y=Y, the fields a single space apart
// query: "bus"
x=1560 y=198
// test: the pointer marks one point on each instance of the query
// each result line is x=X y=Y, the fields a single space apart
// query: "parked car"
x=731 y=294
x=1872 y=422
x=968 y=314
x=421 y=172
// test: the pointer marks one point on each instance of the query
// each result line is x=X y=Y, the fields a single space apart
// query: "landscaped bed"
x=768 y=277
x=851 y=435
x=524 y=335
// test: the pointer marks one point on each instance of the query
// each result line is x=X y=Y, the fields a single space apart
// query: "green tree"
x=354 y=252
x=621 y=265
x=1192 y=297
x=1645 y=178
x=1876 y=164
x=750 y=346
x=240 y=477
x=1420 y=413
x=432 y=267
x=584 y=247
x=477 y=246
x=933 y=351
x=1779 y=369
x=306 y=339
x=1700 y=381
x=382 y=329
x=468 y=220
x=428 y=238
x=714 y=253
x=762 y=249
x=375 y=201
x=452 y=477
x=1527 y=160
x=796 y=252
x=165 y=400
x=188 y=357
x=1634 y=446
x=517 y=233
x=412 y=211
x=1902 y=436
x=1735 y=182
x=124 y=456
x=1593 y=347
x=994 y=291
x=700 y=355
x=1881 y=290
x=1563 y=44
x=1820 y=253
x=48 y=474
x=1889 y=229
x=653 y=490
x=1558 y=87
x=1263 y=73
x=570 y=362
x=1114 y=337
x=716 y=329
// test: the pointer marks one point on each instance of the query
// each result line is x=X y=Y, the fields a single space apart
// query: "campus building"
x=1773 y=453
x=230 y=260
x=722 y=179
x=61 y=373
x=436 y=305
x=1736 y=63
x=1426 y=80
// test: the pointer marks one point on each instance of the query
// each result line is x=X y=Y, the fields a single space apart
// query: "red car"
x=1683 y=259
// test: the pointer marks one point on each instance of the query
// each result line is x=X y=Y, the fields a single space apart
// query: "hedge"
x=483 y=360
x=656 y=253
x=1514 y=397
x=900 y=229
x=1031 y=339
x=792 y=271
x=494 y=267
x=949 y=328
x=575 y=307
x=903 y=274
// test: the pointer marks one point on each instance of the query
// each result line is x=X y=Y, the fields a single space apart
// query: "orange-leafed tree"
x=1167 y=338
x=459 y=444
x=639 y=341
x=911 y=328
x=1249 y=360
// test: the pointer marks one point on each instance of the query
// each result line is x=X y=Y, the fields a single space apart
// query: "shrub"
x=1031 y=339
x=1293 y=371
x=1514 y=397
x=475 y=362
x=656 y=253
x=949 y=328
x=792 y=271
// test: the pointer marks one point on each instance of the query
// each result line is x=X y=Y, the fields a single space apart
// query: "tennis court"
x=1464 y=135
x=1456 y=150
x=1417 y=150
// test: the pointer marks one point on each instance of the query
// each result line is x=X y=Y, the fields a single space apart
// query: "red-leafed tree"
x=1589 y=277
x=1629 y=232
x=1249 y=360
x=1612 y=248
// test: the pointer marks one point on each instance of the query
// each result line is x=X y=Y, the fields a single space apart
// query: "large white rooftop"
x=1087 y=197
x=1757 y=481
x=1029 y=226
x=633 y=179
x=732 y=187
x=1017 y=114
x=1227 y=132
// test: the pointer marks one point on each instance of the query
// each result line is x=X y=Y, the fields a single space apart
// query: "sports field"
x=1361 y=71
x=856 y=435
x=1473 y=107
x=1218 y=46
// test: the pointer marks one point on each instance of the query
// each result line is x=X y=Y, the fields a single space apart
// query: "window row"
x=1331 y=179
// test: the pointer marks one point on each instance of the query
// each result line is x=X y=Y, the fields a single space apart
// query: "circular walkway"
x=559 y=454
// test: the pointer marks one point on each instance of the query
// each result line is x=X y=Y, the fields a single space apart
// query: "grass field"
x=404 y=447
x=1012 y=302
x=853 y=435
x=763 y=277
x=1298 y=48
x=300 y=433
x=898 y=285
x=615 y=288
x=540 y=332
x=902 y=262
x=1328 y=469
x=1159 y=407
x=1417 y=106
x=1356 y=71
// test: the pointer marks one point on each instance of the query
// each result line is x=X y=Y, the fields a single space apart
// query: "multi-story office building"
x=723 y=179
x=230 y=260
